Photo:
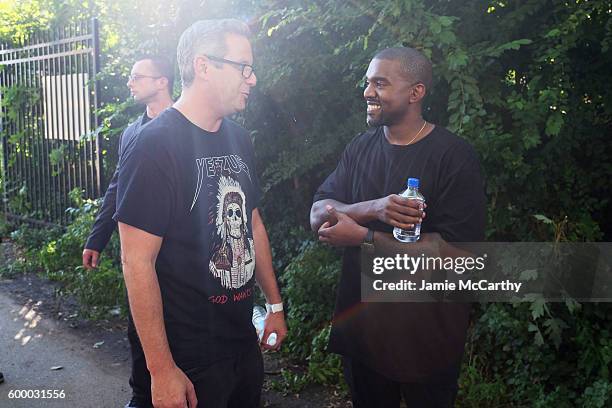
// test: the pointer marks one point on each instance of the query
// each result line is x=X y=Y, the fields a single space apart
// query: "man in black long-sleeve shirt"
x=151 y=81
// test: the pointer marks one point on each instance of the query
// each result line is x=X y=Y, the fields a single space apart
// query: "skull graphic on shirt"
x=233 y=262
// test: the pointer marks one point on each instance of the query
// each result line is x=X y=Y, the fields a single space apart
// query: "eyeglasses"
x=138 y=77
x=247 y=69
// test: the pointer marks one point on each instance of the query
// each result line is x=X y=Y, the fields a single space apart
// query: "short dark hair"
x=164 y=67
x=414 y=65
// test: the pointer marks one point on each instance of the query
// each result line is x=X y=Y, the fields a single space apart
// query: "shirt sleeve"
x=144 y=193
x=461 y=207
x=337 y=184
x=104 y=225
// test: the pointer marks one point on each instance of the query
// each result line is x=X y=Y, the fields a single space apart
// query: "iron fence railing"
x=48 y=104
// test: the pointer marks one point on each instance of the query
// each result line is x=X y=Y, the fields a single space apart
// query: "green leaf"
x=554 y=124
x=447 y=37
x=553 y=33
x=435 y=27
x=554 y=328
x=515 y=45
x=528 y=275
x=543 y=219
x=457 y=59
x=445 y=21
x=537 y=308
x=538 y=339
x=531 y=139
x=572 y=305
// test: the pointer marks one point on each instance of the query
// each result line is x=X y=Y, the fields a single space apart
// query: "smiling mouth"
x=373 y=107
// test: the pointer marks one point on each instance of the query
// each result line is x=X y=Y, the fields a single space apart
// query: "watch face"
x=275 y=308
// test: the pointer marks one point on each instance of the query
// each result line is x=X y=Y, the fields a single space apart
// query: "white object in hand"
x=259 y=321
x=412 y=192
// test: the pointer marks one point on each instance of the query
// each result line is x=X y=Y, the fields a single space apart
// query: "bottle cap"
x=271 y=339
x=413 y=182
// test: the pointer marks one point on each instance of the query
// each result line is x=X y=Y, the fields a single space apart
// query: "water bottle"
x=259 y=321
x=413 y=234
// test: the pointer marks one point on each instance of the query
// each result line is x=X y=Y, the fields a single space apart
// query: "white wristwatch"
x=275 y=308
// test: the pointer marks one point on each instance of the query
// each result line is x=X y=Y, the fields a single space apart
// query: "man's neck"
x=409 y=131
x=155 y=107
x=199 y=110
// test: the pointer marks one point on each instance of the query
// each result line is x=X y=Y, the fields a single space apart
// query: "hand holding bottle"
x=398 y=211
x=412 y=232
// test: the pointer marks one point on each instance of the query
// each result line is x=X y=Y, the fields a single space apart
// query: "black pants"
x=229 y=383
x=370 y=389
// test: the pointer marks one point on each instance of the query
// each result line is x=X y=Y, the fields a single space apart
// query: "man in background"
x=150 y=82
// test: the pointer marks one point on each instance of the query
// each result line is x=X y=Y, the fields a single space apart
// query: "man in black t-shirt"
x=395 y=350
x=192 y=239
x=150 y=82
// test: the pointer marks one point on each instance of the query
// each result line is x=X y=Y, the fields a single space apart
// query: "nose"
x=368 y=92
x=252 y=80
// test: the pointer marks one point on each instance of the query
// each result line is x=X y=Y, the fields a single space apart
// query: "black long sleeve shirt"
x=104 y=225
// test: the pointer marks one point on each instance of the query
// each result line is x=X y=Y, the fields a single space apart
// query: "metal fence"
x=48 y=100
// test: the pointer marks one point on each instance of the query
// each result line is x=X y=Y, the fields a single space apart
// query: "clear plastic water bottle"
x=412 y=192
x=259 y=321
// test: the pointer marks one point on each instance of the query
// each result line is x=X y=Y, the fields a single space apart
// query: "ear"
x=163 y=82
x=200 y=66
x=418 y=93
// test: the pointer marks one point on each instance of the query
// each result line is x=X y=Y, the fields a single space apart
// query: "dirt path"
x=40 y=331
x=32 y=344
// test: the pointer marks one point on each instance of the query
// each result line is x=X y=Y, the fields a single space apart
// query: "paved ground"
x=31 y=345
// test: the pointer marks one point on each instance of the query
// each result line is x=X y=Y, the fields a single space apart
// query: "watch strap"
x=369 y=238
x=274 y=308
x=368 y=242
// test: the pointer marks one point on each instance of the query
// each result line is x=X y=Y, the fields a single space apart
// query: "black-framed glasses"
x=138 y=77
x=247 y=69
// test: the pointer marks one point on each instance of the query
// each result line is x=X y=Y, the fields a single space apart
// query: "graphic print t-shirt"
x=196 y=190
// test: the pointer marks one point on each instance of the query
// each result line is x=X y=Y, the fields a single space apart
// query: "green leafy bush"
x=56 y=255
x=309 y=289
x=559 y=356
x=99 y=290
x=310 y=282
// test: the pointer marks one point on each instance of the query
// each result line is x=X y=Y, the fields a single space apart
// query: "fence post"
x=96 y=68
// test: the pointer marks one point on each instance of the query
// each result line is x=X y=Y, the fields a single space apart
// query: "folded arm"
x=393 y=209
